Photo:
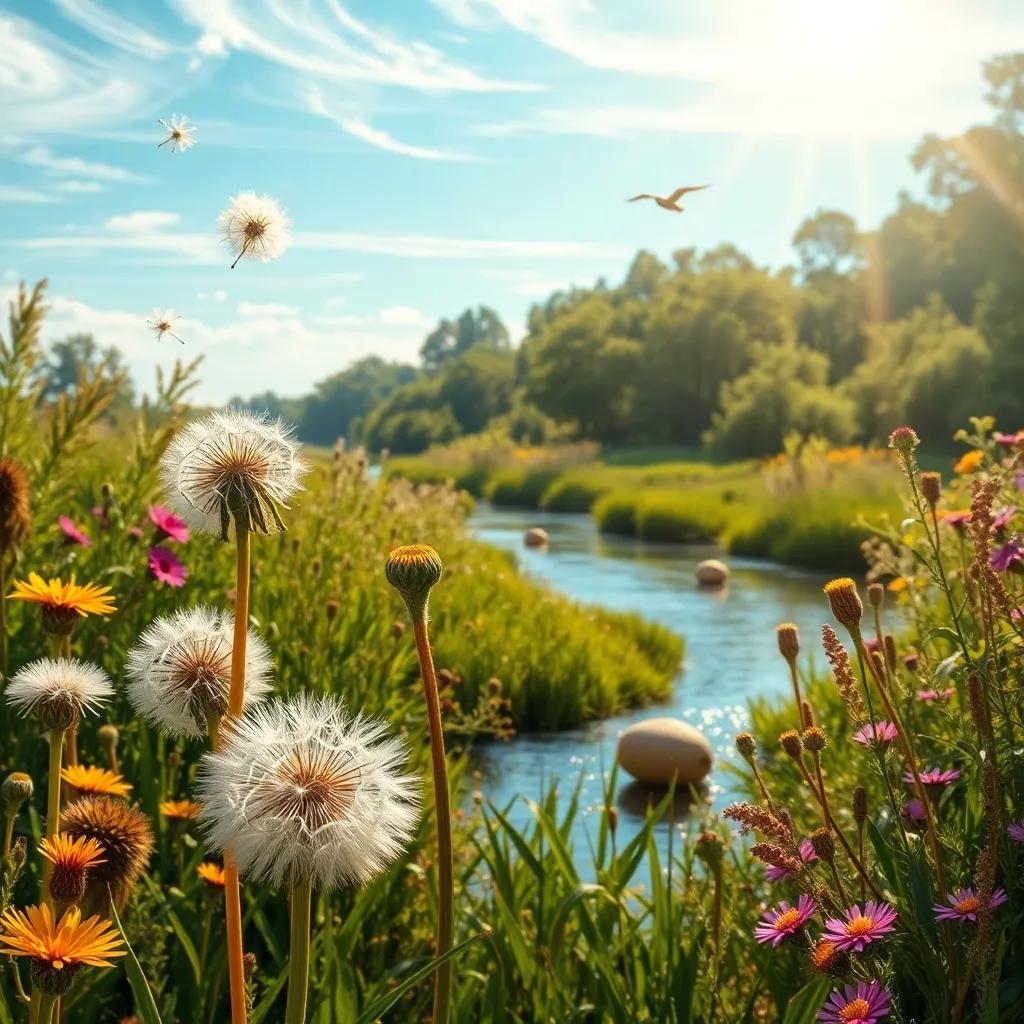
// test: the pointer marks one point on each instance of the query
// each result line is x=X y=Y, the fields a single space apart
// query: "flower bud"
x=331 y=609
x=815 y=739
x=17 y=788
x=876 y=595
x=860 y=805
x=828 y=958
x=710 y=848
x=808 y=712
x=889 y=643
x=904 y=440
x=824 y=844
x=746 y=745
x=789 y=640
x=931 y=488
x=108 y=737
x=413 y=570
x=790 y=742
x=845 y=601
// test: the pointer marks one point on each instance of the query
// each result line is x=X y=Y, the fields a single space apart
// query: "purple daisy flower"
x=927 y=696
x=964 y=904
x=1010 y=553
x=1015 y=830
x=779 y=924
x=1002 y=520
x=807 y=854
x=881 y=733
x=72 y=534
x=912 y=812
x=867 y=1002
x=934 y=776
x=861 y=928
x=166 y=568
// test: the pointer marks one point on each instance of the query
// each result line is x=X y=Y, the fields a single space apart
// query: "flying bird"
x=669 y=202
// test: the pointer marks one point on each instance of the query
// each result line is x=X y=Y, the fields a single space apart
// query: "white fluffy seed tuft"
x=58 y=686
x=254 y=227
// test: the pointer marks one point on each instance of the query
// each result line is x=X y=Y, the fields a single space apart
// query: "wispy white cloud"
x=16 y=194
x=405 y=316
x=216 y=296
x=44 y=157
x=142 y=221
x=265 y=309
x=113 y=29
x=76 y=187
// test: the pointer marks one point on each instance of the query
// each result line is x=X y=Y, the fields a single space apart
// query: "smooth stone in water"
x=535 y=537
x=712 y=573
x=658 y=750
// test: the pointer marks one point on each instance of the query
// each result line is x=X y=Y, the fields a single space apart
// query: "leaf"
x=804 y=1006
x=145 y=1004
x=381 y=1006
x=179 y=929
x=945 y=667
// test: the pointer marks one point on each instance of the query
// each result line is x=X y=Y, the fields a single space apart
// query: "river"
x=731 y=652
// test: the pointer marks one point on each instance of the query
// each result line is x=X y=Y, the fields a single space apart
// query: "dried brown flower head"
x=15 y=517
x=789 y=640
x=845 y=601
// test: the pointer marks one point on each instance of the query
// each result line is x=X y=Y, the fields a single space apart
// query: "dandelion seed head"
x=162 y=322
x=180 y=670
x=57 y=691
x=254 y=227
x=180 y=134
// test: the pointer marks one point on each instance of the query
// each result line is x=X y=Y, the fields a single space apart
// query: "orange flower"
x=897 y=585
x=72 y=857
x=969 y=462
x=212 y=874
x=97 y=781
x=180 y=810
x=82 y=599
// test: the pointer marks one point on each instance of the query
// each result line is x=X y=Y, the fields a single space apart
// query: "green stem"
x=442 y=811
x=298 y=957
x=52 y=803
x=46 y=1004
x=8 y=834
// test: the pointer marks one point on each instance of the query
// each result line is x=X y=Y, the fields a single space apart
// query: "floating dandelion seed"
x=232 y=465
x=57 y=691
x=254 y=227
x=180 y=134
x=179 y=672
x=162 y=322
x=302 y=793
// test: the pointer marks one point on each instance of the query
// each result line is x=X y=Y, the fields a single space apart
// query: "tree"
x=828 y=243
x=478 y=386
x=451 y=338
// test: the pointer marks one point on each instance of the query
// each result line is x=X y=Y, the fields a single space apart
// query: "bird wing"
x=643 y=195
x=682 y=191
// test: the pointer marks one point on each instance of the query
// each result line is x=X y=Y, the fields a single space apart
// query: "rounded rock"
x=535 y=537
x=658 y=750
x=712 y=573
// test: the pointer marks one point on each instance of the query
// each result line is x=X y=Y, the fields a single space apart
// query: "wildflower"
x=122 y=831
x=931 y=487
x=179 y=672
x=180 y=134
x=839 y=659
x=302 y=793
x=212 y=874
x=56 y=691
x=95 y=781
x=959 y=519
x=912 y=812
x=934 y=776
x=71 y=859
x=255 y=227
x=232 y=466
x=1015 y=830
x=828 y=958
x=14 y=503
x=750 y=817
x=969 y=462
x=413 y=570
x=1002 y=520
x=910 y=660
x=180 y=810
x=807 y=854
x=963 y=905
x=779 y=924
x=1008 y=554
x=1008 y=440
x=928 y=696
x=882 y=733
x=824 y=844
x=845 y=601
x=167 y=524
x=791 y=743
x=746 y=744
x=858 y=929
x=58 y=951
x=867 y=1002
x=904 y=440
x=72 y=533
x=897 y=585
x=166 y=568
x=62 y=602
x=162 y=322
x=789 y=640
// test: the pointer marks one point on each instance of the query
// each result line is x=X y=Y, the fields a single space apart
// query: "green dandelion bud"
x=413 y=570
x=17 y=788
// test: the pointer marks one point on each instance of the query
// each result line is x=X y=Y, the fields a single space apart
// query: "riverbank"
x=807 y=509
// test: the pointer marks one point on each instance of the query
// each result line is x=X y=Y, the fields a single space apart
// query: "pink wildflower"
x=779 y=924
x=881 y=733
x=964 y=905
x=935 y=776
x=167 y=524
x=807 y=854
x=72 y=533
x=166 y=568
x=867 y=1002
x=859 y=929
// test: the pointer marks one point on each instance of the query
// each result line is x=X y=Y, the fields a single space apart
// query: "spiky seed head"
x=790 y=743
x=904 y=440
x=57 y=691
x=413 y=570
x=845 y=601
x=789 y=640
x=746 y=744
x=860 y=804
x=17 y=788
x=824 y=844
x=710 y=848
x=931 y=487
x=15 y=517
x=829 y=959
x=815 y=739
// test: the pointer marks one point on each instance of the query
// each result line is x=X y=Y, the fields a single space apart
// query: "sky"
x=441 y=153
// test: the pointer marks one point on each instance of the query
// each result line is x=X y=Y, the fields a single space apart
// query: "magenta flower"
x=859 y=929
x=964 y=905
x=807 y=854
x=135 y=532
x=1002 y=520
x=882 y=733
x=913 y=812
x=1009 y=440
x=166 y=568
x=167 y=524
x=777 y=925
x=1018 y=481
x=929 y=695
x=867 y=1002
x=1008 y=554
x=934 y=776
x=1015 y=830
x=910 y=661
x=958 y=520
x=72 y=533
x=101 y=514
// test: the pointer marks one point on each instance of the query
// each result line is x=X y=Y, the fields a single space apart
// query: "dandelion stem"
x=52 y=803
x=236 y=696
x=46 y=1005
x=442 y=811
x=796 y=693
x=298 y=958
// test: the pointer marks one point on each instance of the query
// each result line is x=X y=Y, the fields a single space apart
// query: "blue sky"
x=441 y=153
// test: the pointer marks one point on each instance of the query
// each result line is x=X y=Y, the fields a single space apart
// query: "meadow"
x=882 y=880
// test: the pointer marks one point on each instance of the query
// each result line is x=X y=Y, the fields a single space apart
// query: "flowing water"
x=731 y=653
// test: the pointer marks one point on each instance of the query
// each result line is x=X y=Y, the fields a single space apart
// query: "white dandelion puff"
x=254 y=227
x=180 y=134
x=232 y=466
x=302 y=792
x=162 y=322
x=57 y=691
x=179 y=672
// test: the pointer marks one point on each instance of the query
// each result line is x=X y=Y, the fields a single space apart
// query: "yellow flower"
x=969 y=462
x=73 y=853
x=83 y=599
x=180 y=810
x=212 y=874
x=58 y=950
x=98 y=781
x=897 y=585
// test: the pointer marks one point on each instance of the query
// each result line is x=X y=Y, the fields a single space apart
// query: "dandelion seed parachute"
x=302 y=792
x=254 y=227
